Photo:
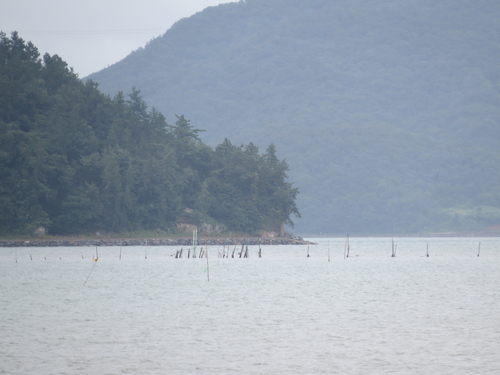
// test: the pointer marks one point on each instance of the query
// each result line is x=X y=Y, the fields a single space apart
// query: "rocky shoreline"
x=152 y=242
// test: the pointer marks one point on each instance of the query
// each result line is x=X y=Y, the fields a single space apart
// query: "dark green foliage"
x=248 y=191
x=389 y=111
x=76 y=161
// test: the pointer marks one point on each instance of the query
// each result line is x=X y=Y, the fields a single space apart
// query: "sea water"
x=142 y=311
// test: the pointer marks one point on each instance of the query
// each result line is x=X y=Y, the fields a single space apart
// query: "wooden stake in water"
x=347 y=247
x=16 y=254
x=479 y=248
x=208 y=268
x=308 y=252
x=427 y=249
x=195 y=240
x=328 y=250
x=120 y=257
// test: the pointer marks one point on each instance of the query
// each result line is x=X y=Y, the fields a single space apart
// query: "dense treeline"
x=389 y=111
x=74 y=160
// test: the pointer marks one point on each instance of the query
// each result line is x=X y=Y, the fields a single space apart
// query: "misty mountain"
x=387 y=112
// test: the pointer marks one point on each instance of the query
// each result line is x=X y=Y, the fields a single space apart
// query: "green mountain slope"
x=387 y=112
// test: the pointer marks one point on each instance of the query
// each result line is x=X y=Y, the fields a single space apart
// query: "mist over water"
x=283 y=313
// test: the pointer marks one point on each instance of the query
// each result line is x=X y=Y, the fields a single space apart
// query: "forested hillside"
x=77 y=161
x=388 y=111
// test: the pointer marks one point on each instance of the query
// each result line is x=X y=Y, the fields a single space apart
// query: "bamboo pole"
x=195 y=241
x=345 y=247
x=208 y=267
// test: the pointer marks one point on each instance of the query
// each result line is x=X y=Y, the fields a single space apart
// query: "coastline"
x=184 y=241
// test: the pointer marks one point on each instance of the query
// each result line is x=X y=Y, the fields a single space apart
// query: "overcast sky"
x=92 y=34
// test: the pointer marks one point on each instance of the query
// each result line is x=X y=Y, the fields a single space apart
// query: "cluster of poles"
x=243 y=253
x=189 y=252
x=394 y=248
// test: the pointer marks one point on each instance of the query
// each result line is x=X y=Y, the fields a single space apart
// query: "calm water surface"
x=281 y=314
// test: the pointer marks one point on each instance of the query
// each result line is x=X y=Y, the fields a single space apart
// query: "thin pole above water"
x=347 y=247
x=195 y=240
x=394 y=247
x=208 y=267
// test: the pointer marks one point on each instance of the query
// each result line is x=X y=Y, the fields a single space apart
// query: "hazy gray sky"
x=92 y=34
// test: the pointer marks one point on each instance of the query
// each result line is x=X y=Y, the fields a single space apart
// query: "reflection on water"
x=281 y=314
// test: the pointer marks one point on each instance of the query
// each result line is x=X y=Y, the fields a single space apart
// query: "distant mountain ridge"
x=387 y=112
